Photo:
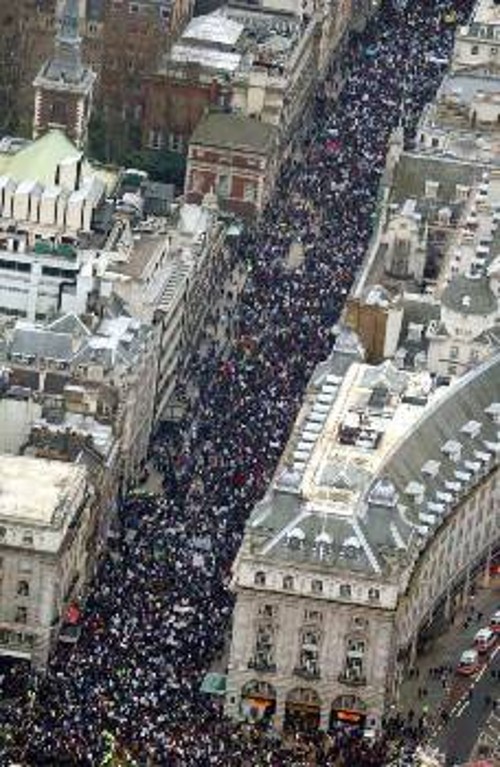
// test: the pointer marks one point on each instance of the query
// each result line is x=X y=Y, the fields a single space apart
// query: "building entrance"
x=302 y=710
x=258 y=701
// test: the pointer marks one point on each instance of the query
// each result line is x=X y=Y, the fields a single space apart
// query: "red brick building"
x=64 y=86
x=234 y=157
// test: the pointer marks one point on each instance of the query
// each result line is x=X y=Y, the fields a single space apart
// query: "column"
x=324 y=721
x=487 y=567
x=279 y=714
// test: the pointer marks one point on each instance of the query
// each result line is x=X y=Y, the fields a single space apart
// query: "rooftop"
x=467 y=294
x=375 y=462
x=39 y=160
x=234 y=132
x=31 y=489
x=214 y=28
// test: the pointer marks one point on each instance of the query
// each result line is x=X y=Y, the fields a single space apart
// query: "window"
x=288 y=583
x=359 y=622
x=27 y=538
x=474 y=50
x=317 y=587
x=223 y=185
x=354 y=660
x=374 y=595
x=260 y=578
x=310 y=641
x=268 y=611
x=454 y=352
x=250 y=193
x=23 y=589
x=313 y=616
x=3 y=532
x=264 y=647
x=21 y=615
x=345 y=591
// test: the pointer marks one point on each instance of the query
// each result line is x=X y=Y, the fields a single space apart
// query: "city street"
x=462 y=698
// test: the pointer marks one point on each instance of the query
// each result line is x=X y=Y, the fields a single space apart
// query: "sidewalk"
x=445 y=651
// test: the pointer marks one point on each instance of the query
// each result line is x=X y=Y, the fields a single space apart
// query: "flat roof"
x=213 y=58
x=32 y=488
x=213 y=28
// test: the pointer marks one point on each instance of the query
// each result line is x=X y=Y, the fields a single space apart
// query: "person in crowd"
x=158 y=612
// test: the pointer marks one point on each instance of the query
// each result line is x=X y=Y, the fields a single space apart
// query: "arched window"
x=260 y=578
x=23 y=589
x=288 y=583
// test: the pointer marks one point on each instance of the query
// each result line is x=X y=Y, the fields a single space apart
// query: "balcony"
x=262 y=666
x=306 y=673
x=352 y=679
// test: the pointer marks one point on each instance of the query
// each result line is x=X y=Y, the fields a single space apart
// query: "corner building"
x=382 y=511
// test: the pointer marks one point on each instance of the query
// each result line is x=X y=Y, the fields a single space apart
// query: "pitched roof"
x=234 y=132
x=413 y=170
x=40 y=159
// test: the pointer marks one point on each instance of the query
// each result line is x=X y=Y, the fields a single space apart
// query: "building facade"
x=382 y=511
x=45 y=556
x=64 y=86
x=234 y=158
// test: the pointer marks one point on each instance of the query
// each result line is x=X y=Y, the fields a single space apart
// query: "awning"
x=214 y=684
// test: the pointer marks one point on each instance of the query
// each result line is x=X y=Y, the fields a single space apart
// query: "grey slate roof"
x=469 y=295
x=413 y=170
x=234 y=132
x=434 y=463
x=41 y=343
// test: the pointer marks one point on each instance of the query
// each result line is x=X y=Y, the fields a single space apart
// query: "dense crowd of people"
x=159 y=608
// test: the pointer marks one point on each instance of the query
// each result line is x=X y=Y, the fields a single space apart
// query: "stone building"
x=259 y=63
x=383 y=509
x=99 y=383
x=477 y=44
x=48 y=519
x=236 y=159
x=64 y=86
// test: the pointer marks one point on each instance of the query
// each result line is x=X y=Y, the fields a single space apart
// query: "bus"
x=468 y=663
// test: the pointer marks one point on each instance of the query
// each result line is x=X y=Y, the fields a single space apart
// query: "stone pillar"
x=324 y=719
x=447 y=605
x=279 y=714
x=486 y=579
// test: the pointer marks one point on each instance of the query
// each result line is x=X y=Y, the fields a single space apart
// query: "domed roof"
x=469 y=295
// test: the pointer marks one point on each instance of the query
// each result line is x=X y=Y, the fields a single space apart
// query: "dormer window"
x=317 y=587
x=373 y=595
x=288 y=583
x=345 y=591
x=260 y=578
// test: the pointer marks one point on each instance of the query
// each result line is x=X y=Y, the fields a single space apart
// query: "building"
x=259 y=63
x=383 y=509
x=50 y=198
x=135 y=37
x=236 y=159
x=48 y=520
x=168 y=271
x=64 y=86
x=97 y=382
x=477 y=43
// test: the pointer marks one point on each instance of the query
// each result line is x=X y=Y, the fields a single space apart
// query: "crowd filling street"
x=158 y=611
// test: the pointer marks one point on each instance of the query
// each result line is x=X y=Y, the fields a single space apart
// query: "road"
x=469 y=712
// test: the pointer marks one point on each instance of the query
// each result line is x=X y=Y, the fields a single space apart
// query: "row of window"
x=317 y=586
